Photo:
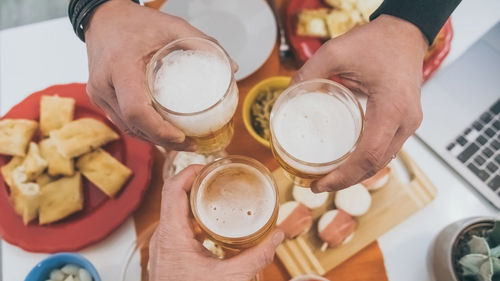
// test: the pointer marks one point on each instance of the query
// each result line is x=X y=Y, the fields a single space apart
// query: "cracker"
x=55 y=112
x=312 y=23
x=57 y=164
x=34 y=164
x=81 y=136
x=15 y=134
x=60 y=199
x=8 y=168
x=25 y=198
x=104 y=171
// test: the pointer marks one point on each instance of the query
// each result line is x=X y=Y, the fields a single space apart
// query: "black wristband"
x=79 y=12
x=428 y=15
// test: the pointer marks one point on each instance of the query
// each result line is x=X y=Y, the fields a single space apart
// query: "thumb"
x=250 y=262
x=323 y=64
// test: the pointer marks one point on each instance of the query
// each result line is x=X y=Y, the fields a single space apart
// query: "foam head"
x=197 y=89
x=314 y=127
x=235 y=200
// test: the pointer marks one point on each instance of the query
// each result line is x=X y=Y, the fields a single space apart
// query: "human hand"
x=383 y=60
x=121 y=39
x=175 y=254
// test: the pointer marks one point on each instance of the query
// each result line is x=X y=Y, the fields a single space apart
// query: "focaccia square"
x=104 y=171
x=33 y=164
x=81 y=136
x=55 y=112
x=45 y=179
x=60 y=199
x=57 y=164
x=312 y=23
x=15 y=134
x=9 y=168
x=340 y=22
x=25 y=198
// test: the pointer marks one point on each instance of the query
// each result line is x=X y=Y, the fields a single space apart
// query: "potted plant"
x=467 y=250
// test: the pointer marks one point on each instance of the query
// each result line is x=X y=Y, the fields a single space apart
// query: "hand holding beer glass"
x=315 y=126
x=175 y=254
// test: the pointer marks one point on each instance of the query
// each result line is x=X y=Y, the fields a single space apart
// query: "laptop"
x=461 y=106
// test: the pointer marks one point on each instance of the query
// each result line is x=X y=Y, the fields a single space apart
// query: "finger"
x=250 y=262
x=112 y=115
x=130 y=86
x=174 y=203
x=381 y=123
x=317 y=67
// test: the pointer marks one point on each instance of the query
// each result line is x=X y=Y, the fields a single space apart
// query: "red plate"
x=100 y=215
x=304 y=47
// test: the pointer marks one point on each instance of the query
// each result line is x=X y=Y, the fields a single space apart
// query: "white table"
x=36 y=56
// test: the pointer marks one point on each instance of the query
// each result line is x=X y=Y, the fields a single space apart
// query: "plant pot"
x=440 y=261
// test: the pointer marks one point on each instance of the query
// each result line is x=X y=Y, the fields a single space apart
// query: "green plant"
x=483 y=260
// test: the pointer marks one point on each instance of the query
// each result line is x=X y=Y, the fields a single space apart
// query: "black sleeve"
x=428 y=15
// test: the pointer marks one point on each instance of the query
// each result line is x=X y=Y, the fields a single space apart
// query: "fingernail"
x=278 y=238
x=317 y=188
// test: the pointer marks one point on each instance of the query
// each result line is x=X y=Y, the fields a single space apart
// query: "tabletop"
x=36 y=56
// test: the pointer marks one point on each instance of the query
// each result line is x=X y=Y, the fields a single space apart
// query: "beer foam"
x=235 y=200
x=315 y=128
x=193 y=81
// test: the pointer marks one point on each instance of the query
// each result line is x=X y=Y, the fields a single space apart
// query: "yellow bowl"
x=274 y=82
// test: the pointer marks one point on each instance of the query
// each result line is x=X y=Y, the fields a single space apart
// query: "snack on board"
x=335 y=227
x=15 y=134
x=354 y=200
x=81 y=136
x=312 y=23
x=57 y=164
x=60 y=199
x=317 y=202
x=33 y=163
x=55 y=112
x=379 y=180
x=294 y=218
x=107 y=173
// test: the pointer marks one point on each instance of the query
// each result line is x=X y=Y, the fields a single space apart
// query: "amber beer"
x=192 y=86
x=234 y=201
x=315 y=126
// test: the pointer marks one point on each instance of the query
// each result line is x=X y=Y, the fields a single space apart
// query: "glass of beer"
x=192 y=86
x=235 y=203
x=315 y=126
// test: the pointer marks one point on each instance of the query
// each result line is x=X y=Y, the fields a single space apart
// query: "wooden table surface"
x=366 y=265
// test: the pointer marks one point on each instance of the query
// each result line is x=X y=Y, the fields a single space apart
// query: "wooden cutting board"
x=391 y=205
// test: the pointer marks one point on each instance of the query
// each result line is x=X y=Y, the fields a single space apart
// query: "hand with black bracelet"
x=121 y=37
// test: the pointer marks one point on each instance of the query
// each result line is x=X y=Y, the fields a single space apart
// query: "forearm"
x=428 y=15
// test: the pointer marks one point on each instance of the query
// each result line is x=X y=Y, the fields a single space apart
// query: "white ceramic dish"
x=245 y=28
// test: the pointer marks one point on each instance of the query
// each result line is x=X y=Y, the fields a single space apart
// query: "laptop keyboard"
x=478 y=147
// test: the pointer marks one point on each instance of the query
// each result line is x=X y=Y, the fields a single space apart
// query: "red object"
x=101 y=215
x=304 y=47
x=337 y=230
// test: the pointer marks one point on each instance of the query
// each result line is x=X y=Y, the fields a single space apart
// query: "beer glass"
x=235 y=203
x=315 y=126
x=191 y=85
